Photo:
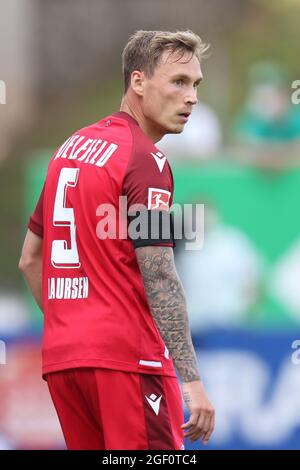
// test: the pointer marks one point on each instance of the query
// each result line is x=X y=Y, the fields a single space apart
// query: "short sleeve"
x=36 y=219
x=148 y=180
x=148 y=185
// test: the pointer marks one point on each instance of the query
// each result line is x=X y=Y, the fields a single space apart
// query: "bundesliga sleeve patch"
x=158 y=199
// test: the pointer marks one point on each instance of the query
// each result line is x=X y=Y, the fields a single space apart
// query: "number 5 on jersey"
x=61 y=255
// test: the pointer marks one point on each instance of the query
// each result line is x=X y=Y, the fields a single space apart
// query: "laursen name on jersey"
x=68 y=288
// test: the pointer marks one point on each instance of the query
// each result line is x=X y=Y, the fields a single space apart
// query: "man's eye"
x=179 y=82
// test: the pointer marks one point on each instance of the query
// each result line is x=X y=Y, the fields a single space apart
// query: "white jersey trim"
x=150 y=363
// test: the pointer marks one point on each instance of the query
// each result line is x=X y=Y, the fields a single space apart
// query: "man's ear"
x=138 y=82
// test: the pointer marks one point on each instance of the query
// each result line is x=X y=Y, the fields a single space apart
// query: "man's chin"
x=176 y=129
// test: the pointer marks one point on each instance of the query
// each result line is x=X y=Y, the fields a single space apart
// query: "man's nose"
x=191 y=97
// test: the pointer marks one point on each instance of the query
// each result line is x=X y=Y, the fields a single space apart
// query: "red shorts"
x=105 y=409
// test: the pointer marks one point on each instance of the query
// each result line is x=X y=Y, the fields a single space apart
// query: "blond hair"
x=145 y=48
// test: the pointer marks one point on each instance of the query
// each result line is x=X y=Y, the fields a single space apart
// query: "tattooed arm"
x=168 y=306
x=167 y=303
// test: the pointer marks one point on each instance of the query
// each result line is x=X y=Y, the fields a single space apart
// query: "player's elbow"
x=22 y=264
x=26 y=262
x=31 y=254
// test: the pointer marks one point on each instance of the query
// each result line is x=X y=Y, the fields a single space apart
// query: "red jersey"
x=95 y=307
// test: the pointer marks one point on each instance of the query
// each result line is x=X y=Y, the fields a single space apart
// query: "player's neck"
x=128 y=106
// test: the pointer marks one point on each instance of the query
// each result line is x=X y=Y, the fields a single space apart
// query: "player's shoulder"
x=127 y=128
x=108 y=134
x=147 y=155
x=106 y=124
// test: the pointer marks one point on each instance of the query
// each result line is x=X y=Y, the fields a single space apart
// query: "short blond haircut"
x=145 y=48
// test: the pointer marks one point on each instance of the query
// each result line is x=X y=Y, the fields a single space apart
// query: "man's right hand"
x=201 y=422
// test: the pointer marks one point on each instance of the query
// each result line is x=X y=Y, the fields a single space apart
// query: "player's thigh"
x=140 y=411
x=74 y=394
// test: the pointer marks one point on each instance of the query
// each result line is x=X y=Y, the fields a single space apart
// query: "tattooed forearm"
x=168 y=306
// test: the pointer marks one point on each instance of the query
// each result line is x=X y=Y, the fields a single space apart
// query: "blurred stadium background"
x=60 y=69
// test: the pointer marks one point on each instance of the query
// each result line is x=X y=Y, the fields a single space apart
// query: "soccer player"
x=115 y=317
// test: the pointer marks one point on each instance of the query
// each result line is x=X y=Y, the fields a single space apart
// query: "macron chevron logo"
x=160 y=160
x=154 y=402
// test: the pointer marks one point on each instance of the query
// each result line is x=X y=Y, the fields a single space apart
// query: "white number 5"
x=61 y=255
